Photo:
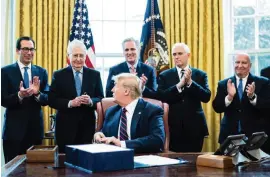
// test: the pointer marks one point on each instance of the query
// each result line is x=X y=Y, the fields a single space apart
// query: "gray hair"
x=75 y=43
x=186 y=48
x=131 y=82
x=137 y=43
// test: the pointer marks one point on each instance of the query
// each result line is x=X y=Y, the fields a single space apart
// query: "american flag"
x=81 y=30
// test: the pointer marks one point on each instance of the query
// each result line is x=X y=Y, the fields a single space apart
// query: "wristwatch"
x=252 y=97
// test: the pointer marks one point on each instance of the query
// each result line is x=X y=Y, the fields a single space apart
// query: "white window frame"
x=228 y=21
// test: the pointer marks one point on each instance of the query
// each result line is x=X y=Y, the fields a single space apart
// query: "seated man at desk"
x=133 y=123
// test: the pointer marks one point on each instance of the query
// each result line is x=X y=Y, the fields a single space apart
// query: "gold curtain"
x=199 y=24
x=48 y=22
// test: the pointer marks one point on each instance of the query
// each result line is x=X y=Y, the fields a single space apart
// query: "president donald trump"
x=133 y=123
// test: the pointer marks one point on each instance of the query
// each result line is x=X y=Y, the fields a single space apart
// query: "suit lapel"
x=125 y=68
x=136 y=117
x=175 y=75
x=72 y=81
x=85 y=80
x=115 y=123
x=34 y=72
x=17 y=77
x=139 y=69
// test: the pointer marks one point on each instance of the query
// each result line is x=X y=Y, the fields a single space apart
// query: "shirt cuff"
x=253 y=102
x=227 y=101
x=189 y=85
x=37 y=97
x=20 y=98
x=123 y=144
x=69 y=104
x=90 y=102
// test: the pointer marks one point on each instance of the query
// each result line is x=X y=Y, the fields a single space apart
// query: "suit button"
x=183 y=101
x=239 y=110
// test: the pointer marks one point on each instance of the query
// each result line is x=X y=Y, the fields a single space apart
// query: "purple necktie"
x=123 y=125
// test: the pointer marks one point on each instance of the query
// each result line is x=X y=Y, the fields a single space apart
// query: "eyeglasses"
x=26 y=49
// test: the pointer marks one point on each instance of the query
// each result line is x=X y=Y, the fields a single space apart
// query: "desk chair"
x=108 y=102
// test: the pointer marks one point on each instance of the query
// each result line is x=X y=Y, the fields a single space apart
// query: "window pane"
x=113 y=35
x=135 y=9
x=94 y=9
x=96 y=27
x=246 y=7
x=264 y=32
x=113 y=10
x=134 y=29
x=253 y=68
x=244 y=37
x=264 y=7
x=111 y=61
x=263 y=60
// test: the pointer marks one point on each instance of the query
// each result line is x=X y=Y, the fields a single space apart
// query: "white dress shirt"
x=22 y=70
x=179 y=71
x=129 y=114
x=244 y=82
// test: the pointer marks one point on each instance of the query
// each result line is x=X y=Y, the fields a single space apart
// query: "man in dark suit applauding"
x=74 y=92
x=132 y=64
x=183 y=88
x=241 y=98
x=133 y=123
x=24 y=88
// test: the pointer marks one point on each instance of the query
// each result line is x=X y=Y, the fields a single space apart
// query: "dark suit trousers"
x=184 y=143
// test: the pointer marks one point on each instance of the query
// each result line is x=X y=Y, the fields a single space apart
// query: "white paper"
x=153 y=160
x=98 y=148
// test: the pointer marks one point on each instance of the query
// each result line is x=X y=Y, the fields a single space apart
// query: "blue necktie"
x=240 y=89
x=26 y=77
x=78 y=83
x=123 y=126
x=240 y=93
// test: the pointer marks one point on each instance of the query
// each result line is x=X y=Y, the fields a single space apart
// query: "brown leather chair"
x=108 y=102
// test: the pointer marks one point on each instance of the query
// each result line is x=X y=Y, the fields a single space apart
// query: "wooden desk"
x=18 y=167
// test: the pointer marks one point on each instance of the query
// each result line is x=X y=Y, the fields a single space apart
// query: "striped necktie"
x=123 y=125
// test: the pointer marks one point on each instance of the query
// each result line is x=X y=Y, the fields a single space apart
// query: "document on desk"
x=153 y=160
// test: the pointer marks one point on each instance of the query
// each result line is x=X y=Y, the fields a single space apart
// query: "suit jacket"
x=147 y=128
x=186 y=115
x=63 y=90
x=142 y=68
x=266 y=72
x=25 y=116
x=249 y=115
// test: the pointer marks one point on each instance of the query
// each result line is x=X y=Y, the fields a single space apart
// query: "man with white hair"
x=133 y=123
x=241 y=98
x=183 y=88
x=74 y=92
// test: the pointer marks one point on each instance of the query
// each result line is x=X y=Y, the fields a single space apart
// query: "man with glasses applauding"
x=23 y=92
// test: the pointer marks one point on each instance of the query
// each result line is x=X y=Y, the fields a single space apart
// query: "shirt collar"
x=135 y=65
x=243 y=79
x=74 y=71
x=21 y=65
x=131 y=106
x=179 y=69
